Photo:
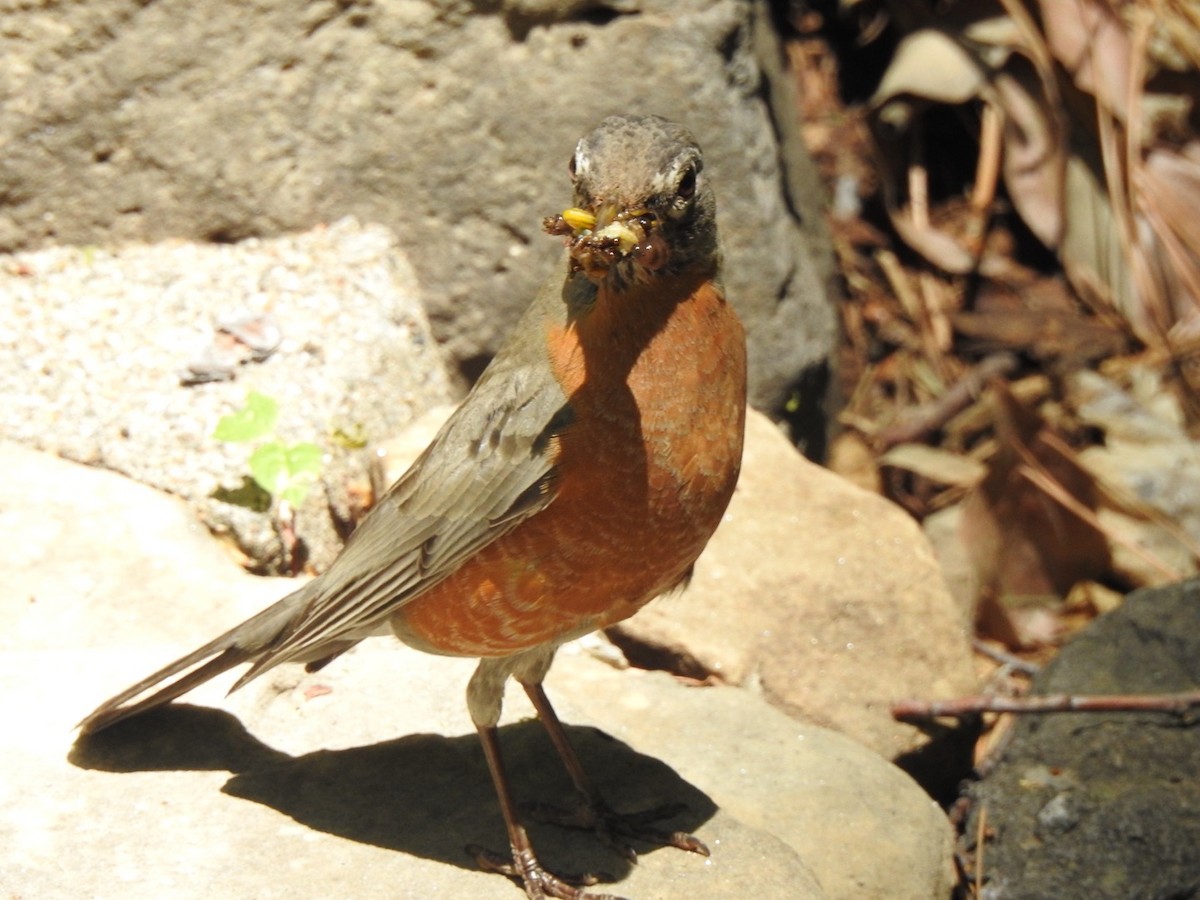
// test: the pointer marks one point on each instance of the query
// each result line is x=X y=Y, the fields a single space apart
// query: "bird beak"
x=627 y=227
x=601 y=237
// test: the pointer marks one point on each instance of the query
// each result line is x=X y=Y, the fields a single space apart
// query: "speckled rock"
x=96 y=345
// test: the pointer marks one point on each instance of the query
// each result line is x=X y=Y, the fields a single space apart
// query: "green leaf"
x=254 y=420
x=268 y=466
x=286 y=472
x=304 y=460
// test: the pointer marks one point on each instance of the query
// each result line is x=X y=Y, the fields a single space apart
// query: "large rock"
x=94 y=560
x=1102 y=804
x=822 y=593
x=95 y=346
x=811 y=787
x=366 y=778
x=449 y=122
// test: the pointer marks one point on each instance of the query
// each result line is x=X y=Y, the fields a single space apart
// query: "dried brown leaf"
x=1091 y=44
x=951 y=68
x=1168 y=192
x=1026 y=542
x=1092 y=252
x=1034 y=161
x=942 y=466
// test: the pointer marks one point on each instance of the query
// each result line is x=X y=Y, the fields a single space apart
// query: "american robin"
x=580 y=478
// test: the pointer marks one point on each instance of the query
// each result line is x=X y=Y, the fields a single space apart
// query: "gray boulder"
x=449 y=122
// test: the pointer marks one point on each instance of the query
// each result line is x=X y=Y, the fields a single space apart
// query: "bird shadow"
x=422 y=794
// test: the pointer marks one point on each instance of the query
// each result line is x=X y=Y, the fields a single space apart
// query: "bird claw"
x=539 y=884
x=615 y=828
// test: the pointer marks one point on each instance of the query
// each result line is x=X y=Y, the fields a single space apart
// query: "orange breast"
x=645 y=473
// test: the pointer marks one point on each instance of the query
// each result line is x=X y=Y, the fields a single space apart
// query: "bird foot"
x=617 y=829
x=523 y=867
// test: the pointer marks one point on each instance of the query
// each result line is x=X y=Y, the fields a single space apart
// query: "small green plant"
x=286 y=472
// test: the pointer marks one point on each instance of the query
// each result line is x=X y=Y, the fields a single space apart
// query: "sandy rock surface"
x=366 y=777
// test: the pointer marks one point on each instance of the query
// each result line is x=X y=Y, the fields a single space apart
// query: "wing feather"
x=489 y=468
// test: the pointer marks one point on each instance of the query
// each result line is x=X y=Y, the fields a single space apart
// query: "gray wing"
x=489 y=468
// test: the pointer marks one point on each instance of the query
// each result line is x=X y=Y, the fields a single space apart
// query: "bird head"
x=643 y=207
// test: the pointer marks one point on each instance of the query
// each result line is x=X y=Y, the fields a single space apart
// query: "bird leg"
x=614 y=828
x=523 y=866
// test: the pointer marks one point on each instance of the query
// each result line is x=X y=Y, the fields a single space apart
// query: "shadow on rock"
x=422 y=794
x=177 y=736
x=941 y=764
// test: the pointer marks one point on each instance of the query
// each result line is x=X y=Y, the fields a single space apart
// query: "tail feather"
x=252 y=640
x=119 y=707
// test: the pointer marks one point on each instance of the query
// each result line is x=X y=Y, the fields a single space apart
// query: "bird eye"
x=571 y=165
x=687 y=184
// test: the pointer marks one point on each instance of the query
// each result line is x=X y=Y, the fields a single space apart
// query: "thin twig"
x=987 y=176
x=1034 y=43
x=940 y=333
x=918 y=183
x=1015 y=663
x=899 y=282
x=929 y=417
x=980 y=842
x=961 y=707
x=285 y=525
